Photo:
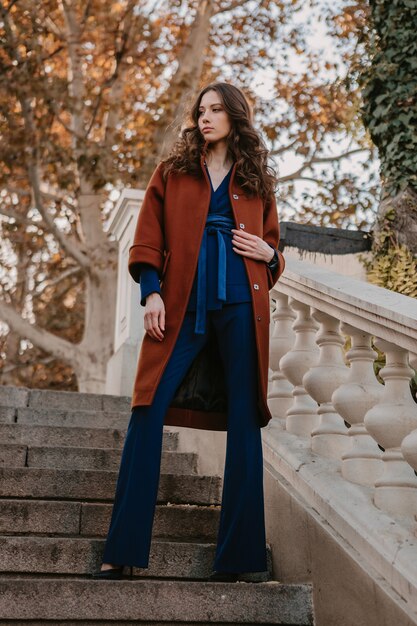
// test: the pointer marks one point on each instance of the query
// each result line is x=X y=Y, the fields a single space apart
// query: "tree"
x=87 y=90
x=390 y=113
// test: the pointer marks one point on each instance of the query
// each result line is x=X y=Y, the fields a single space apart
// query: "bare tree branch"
x=282 y=149
x=86 y=14
x=72 y=271
x=339 y=156
x=40 y=337
x=53 y=106
x=229 y=7
x=152 y=8
x=10 y=5
x=11 y=368
x=68 y=245
x=76 y=85
x=18 y=191
x=318 y=181
x=116 y=80
x=314 y=160
x=21 y=219
x=53 y=27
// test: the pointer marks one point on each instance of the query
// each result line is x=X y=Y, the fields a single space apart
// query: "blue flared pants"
x=241 y=544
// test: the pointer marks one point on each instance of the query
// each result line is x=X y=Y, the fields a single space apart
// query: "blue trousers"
x=241 y=544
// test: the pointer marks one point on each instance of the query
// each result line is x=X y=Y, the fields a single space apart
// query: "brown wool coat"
x=168 y=236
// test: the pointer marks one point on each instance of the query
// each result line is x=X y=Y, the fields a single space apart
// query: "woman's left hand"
x=251 y=246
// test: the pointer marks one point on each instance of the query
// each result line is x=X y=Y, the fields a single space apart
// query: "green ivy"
x=389 y=89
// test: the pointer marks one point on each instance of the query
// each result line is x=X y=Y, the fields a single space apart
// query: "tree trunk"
x=182 y=87
x=401 y=212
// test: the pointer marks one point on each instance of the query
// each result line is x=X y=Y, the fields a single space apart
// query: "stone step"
x=96 y=485
x=175 y=521
x=146 y=600
x=40 y=398
x=122 y=623
x=64 y=417
x=17 y=455
x=76 y=436
x=81 y=556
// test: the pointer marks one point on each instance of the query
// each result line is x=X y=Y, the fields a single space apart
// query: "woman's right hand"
x=154 y=317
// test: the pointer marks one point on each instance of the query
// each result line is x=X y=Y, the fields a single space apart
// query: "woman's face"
x=213 y=121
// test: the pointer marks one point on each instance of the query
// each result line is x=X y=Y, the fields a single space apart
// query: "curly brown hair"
x=244 y=144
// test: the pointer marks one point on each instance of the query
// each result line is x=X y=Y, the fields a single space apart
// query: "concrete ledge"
x=386 y=547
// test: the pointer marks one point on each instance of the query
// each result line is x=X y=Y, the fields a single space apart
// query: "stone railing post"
x=362 y=462
x=302 y=414
x=389 y=422
x=129 y=327
x=329 y=438
x=409 y=444
x=282 y=339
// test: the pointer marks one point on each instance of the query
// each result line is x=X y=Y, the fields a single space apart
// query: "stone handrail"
x=333 y=398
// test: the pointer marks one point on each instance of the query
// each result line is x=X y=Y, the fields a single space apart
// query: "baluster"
x=282 y=339
x=409 y=444
x=409 y=450
x=302 y=414
x=329 y=438
x=389 y=422
x=362 y=462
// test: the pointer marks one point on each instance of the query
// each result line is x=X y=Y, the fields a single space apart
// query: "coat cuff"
x=141 y=253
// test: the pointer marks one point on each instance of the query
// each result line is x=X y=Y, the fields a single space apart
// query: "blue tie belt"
x=219 y=225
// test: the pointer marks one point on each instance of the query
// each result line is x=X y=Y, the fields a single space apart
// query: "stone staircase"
x=59 y=458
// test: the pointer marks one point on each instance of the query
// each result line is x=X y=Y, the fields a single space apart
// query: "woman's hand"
x=154 y=317
x=251 y=246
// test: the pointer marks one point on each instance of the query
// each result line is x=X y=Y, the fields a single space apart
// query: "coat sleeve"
x=149 y=282
x=149 y=239
x=271 y=236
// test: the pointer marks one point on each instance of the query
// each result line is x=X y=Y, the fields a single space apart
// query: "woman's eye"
x=214 y=111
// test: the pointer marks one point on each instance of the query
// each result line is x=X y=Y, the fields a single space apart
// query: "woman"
x=208 y=229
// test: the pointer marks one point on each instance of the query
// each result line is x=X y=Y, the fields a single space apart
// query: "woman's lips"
x=207 y=129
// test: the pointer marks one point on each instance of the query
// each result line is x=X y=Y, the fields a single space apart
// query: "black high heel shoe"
x=226 y=577
x=234 y=577
x=114 y=573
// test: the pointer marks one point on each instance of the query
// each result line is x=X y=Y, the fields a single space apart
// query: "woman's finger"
x=151 y=324
x=248 y=239
x=244 y=246
x=249 y=253
x=155 y=325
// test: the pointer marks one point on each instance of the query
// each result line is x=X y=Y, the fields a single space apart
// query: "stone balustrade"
x=326 y=331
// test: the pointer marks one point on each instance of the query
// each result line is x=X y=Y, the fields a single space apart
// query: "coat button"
x=259 y=318
x=241 y=226
x=256 y=286
x=236 y=197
